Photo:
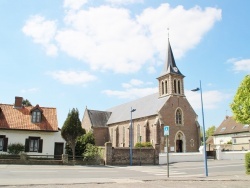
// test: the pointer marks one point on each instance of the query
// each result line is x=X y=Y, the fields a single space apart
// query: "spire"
x=170 y=66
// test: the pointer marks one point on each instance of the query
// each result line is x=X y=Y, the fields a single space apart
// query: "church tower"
x=171 y=79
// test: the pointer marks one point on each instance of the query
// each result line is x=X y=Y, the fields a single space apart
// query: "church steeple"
x=170 y=66
x=171 y=79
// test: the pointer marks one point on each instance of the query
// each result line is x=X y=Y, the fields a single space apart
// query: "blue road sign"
x=166 y=130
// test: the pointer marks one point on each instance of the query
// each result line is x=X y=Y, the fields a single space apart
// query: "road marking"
x=97 y=171
x=21 y=171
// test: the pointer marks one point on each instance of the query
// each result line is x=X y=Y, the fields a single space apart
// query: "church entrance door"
x=180 y=142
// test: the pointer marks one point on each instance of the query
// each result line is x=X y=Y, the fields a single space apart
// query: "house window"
x=223 y=129
x=246 y=126
x=178 y=117
x=3 y=143
x=33 y=144
x=234 y=141
x=36 y=116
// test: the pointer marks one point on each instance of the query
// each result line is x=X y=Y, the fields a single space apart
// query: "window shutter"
x=26 y=145
x=40 y=149
x=5 y=144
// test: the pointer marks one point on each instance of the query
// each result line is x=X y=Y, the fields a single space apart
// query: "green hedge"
x=143 y=144
x=247 y=163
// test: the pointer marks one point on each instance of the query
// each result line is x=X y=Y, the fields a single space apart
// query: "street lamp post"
x=130 y=136
x=204 y=134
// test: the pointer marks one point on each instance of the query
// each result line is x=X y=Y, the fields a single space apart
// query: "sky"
x=102 y=53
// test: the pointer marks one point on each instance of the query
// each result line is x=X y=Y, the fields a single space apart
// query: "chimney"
x=18 y=102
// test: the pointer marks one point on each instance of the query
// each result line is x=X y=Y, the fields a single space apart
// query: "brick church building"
x=149 y=116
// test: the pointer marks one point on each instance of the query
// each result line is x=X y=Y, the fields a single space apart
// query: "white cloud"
x=42 y=31
x=74 y=4
x=30 y=90
x=132 y=90
x=73 y=77
x=124 y=2
x=211 y=99
x=111 y=38
x=187 y=26
x=241 y=65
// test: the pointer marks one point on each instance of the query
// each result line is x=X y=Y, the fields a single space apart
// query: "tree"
x=72 y=129
x=81 y=144
x=26 y=102
x=241 y=102
x=210 y=131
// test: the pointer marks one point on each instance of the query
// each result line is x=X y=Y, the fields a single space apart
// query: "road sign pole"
x=167 y=157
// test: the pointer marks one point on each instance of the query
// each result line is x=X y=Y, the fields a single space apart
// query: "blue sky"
x=77 y=53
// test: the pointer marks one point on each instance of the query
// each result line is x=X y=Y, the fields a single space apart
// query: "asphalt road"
x=189 y=174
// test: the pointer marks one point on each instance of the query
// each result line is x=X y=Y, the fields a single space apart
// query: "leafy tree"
x=72 y=129
x=26 y=102
x=241 y=102
x=81 y=143
x=210 y=131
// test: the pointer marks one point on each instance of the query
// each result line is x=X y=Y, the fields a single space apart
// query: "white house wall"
x=222 y=139
x=49 y=139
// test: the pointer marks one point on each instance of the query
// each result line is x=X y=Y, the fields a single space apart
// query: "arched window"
x=175 y=86
x=162 y=87
x=178 y=117
x=179 y=87
x=123 y=136
x=166 y=87
x=138 y=132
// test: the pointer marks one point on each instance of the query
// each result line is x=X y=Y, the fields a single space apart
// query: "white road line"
x=87 y=171
x=165 y=174
x=21 y=171
x=187 y=175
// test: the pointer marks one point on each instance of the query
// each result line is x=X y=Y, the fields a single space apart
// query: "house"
x=149 y=114
x=33 y=126
x=234 y=133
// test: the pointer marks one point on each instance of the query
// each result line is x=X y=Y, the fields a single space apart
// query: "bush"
x=92 y=153
x=143 y=144
x=15 y=148
x=247 y=162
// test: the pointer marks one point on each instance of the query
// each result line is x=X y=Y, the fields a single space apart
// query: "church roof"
x=98 y=118
x=170 y=66
x=145 y=106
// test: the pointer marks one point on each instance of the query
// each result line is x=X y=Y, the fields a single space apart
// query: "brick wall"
x=121 y=156
x=101 y=135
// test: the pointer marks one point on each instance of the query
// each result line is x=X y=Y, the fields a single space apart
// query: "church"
x=149 y=115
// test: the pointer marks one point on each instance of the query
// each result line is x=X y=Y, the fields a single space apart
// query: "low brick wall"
x=121 y=156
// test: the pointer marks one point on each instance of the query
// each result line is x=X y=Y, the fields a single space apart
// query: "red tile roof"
x=20 y=118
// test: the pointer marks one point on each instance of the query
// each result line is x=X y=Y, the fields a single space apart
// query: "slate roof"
x=145 y=106
x=169 y=65
x=230 y=126
x=20 y=118
x=98 y=118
